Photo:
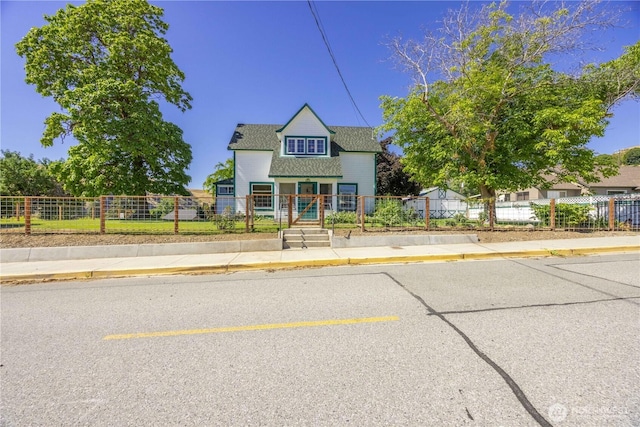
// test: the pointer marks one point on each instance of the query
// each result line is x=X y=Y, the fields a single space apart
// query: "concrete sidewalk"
x=12 y=272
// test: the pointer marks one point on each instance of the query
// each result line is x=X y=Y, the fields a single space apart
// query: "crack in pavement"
x=515 y=388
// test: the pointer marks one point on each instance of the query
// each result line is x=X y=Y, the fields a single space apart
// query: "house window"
x=263 y=196
x=556 y=194
x=309 y=146
x=225 y=189
x=524 y=195
x=347 y=197
x=612 y=192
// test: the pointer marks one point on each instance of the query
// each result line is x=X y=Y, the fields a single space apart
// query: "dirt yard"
x=14 y=240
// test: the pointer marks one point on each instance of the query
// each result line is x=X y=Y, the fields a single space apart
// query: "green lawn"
x=88 y=225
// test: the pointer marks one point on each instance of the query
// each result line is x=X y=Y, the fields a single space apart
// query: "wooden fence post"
x=321 y=213
x=103 y=208
x=247 y=213
x=27 y=216
x=176 y=215
x=426 y=213
x=612 y=214
x=552 y=214
x=289 y=209
x=362 y=201
x=18 y=211
x=492 y=211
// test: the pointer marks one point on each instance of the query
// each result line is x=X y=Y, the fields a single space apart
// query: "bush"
x=342 y=217
x=391 y=212
x=226 y=220
x=567 y=215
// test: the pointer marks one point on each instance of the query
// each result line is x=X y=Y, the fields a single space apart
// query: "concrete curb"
x=283 y=265
x=66 y=253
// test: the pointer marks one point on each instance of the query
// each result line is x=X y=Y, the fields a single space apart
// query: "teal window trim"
x=305 y=151
x=263 y=208
x=228 y=186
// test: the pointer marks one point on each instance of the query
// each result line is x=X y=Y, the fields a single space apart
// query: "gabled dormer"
x=305 y=135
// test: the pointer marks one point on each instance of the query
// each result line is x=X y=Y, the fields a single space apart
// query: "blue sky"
x=259 y=62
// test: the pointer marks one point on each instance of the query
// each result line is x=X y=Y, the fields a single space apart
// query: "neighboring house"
x=183 y=215
x=443 y=202
x=437 y=193
x=304 y=156
x=224 y=196
x=626 y=182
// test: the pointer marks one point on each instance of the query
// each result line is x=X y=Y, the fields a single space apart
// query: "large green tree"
x=24 y=176
x=632 y=156
x=107 y=64
x=392 y=180
x=221 y=172
x=488 y=109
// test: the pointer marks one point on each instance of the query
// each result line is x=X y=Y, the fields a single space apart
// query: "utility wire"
x=316 y=17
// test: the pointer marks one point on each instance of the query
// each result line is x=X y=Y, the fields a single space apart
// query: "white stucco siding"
x=251 y=166
x=359 y=168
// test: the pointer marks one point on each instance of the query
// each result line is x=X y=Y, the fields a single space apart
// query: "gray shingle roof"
x=304 y=166
x=263 y=138
x=344 y=139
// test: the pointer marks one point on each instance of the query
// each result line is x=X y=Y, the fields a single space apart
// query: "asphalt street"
x=551 y=341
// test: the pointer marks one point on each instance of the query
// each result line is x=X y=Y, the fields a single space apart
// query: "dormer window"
x=309 y=146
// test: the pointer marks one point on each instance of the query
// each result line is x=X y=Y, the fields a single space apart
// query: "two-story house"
x=303 y=157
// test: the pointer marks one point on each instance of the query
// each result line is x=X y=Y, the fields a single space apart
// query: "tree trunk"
x=140 y=178
x=488 y=199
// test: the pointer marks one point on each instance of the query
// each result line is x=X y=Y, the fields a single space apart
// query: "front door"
x=307 y=191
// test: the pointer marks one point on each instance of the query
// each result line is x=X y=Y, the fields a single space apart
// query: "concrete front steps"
x=305 y=237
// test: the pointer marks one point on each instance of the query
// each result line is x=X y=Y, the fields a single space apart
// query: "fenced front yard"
x=272 y=213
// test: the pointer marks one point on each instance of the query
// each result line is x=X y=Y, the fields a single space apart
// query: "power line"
x=316 y=17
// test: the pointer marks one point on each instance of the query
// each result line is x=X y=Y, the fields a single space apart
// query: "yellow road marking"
x=252 y=327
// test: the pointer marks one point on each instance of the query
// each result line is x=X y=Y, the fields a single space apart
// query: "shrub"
x=226 y=220
x=567 y=215
x=342 y=217
x=389 y=212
